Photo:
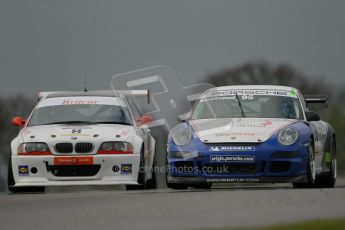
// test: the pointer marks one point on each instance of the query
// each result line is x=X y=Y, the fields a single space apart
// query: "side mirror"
x=312 y=116
x=18 y=121
x=144 y=120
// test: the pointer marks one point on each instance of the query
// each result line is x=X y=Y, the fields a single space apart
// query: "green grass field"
x=336 y=224
x=332 y=224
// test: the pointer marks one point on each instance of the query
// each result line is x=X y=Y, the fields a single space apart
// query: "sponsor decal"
x=86 y=100
x=216 y=98
x=327 y=157
x=26 y=131
x=293 y=94
x=231 y=158
x=256 y=125
x=75 y=135
x=124 y=132
x=76 y=130
x=233 y=180
x=23 y=170
x=244 y=94
x=73 y=160
x=266 y=123
x=234 y=134
x=231 y=148
x=247 y=92
x=78 y=102
x=126 y=168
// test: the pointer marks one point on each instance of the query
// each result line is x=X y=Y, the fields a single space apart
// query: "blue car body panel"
x=269 y=156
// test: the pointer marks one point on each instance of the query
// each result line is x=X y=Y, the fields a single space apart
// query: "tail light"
x=33 y=149
x=116 y=147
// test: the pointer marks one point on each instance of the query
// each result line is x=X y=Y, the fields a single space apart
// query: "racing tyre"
x=174 y=185
x=328 y=179
x=143 y=183
x=11 y=183
x=152 y=183
x=203 y=186
x=177 y=186
x=311 y=170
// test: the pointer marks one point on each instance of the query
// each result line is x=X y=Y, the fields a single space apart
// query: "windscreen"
x=105 y=110
x=227 y=104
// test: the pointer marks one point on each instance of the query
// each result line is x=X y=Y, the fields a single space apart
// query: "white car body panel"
x=240 y=130
x=96 y=134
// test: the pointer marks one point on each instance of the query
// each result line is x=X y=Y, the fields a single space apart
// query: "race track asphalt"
x=222 y=206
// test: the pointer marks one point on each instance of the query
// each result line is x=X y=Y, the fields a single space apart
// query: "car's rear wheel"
x=11 y=184
x=311 y=170
x=328 y=179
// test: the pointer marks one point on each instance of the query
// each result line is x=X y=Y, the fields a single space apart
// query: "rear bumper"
x=37 y=171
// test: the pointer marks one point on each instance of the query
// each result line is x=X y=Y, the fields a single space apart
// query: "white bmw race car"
x=83 y=138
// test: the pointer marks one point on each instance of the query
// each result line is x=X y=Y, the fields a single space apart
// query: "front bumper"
x=103 y=170
x=268 y=162
x=204 y=180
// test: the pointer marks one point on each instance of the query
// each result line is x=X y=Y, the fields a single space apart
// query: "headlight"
x=33 y=148
x=107 y=146
x=288 y=136
x=116 y=147
x=182 y=136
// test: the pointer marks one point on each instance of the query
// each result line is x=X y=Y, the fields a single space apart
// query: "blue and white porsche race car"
x=252 y=134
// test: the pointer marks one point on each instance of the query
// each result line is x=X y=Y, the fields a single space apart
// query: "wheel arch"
x=327 y=148
x=312 y=139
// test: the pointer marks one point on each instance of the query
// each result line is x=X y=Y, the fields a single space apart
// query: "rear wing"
x=108 y=93
x=136 y=93
x=316 y=99
x=41 y=95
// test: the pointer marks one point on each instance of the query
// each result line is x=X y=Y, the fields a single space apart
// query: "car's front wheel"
x=177 y=186
x=327 y=180
x=143 y=183
x=203 y=186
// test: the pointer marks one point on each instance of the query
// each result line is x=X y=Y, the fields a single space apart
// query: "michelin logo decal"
x=231 y=148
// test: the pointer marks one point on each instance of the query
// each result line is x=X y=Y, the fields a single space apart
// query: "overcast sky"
x=53 y=44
